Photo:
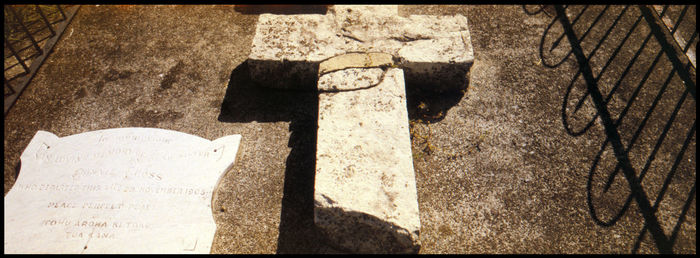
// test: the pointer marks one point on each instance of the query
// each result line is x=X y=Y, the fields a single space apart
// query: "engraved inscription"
x=129 y=190
x=130 y=154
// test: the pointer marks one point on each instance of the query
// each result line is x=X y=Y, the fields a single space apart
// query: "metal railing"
x=30 y=32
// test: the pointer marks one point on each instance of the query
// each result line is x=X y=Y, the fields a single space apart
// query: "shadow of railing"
x=627 y=94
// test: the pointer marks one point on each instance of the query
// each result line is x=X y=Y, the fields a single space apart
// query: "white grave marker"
x=125 y=190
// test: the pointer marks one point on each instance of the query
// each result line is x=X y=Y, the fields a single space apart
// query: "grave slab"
x=365 y=189
x=124 y=190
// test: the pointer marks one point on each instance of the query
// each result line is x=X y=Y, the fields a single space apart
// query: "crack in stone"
x=405 y=38
x=381 y=79
x=350 y=36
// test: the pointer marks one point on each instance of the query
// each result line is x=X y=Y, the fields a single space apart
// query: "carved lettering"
x=94 y=192
x=61 y=205
x=97 y=234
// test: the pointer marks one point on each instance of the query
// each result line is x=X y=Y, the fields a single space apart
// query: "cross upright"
x=358 y=58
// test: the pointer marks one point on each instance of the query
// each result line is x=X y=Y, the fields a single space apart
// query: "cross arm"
x=435 y=51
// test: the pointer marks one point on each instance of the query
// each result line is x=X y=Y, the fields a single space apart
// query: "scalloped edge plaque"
x=122 y=190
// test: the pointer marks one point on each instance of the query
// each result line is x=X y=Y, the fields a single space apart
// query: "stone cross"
x=358 y=58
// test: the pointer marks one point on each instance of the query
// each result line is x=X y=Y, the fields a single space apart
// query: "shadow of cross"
x=359 y=58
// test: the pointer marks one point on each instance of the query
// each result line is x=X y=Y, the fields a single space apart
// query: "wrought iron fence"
x=30 y=32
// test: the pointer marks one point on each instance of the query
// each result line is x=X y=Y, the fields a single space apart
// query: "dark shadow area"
x=17 y=169
x=646 y=92
x=245 y=102
x=292 y=75
x=430 y=96
x=281 y=9
x=297 y=232
x=427 y=106
x=368 y=234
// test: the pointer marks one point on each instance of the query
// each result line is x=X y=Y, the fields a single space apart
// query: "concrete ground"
x=510 y=165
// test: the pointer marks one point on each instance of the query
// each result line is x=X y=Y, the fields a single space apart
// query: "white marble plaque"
x=125 y=190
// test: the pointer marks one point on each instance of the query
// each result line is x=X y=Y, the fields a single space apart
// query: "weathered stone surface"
x=125 y=190
x=290 y=48
x=438 y=64
x=304 y=37
x=365 y=189
x=435 y=50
